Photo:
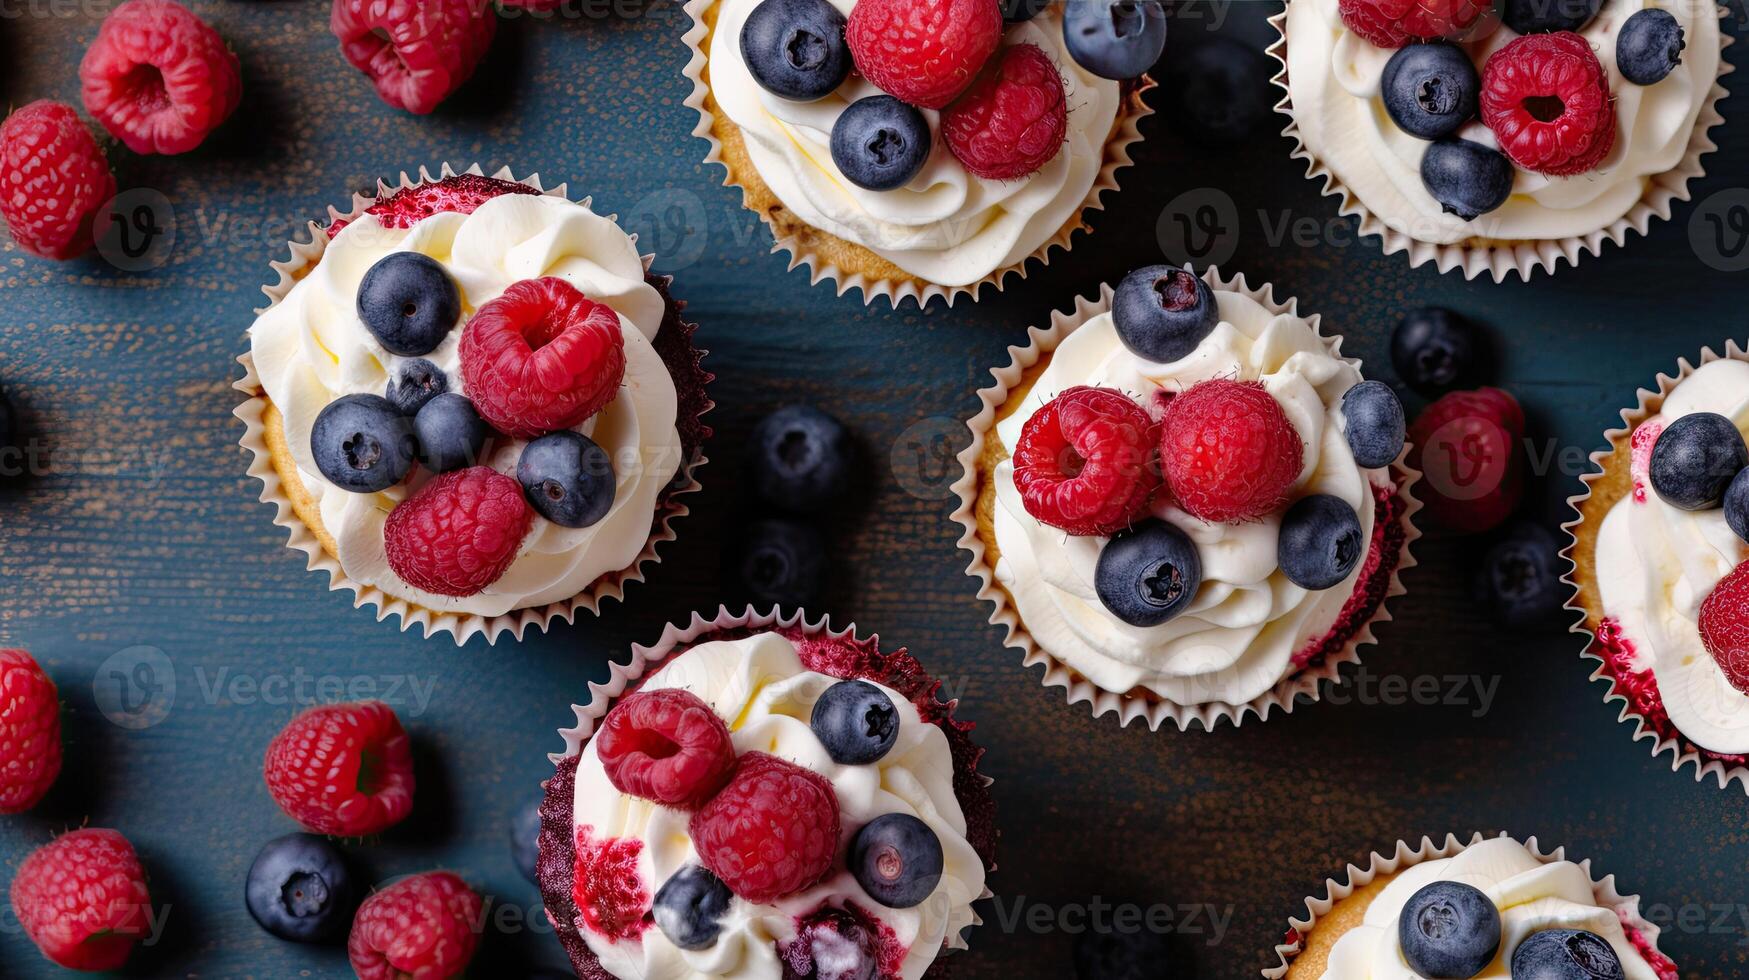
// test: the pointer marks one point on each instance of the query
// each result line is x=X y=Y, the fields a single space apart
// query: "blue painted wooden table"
x=136 y=526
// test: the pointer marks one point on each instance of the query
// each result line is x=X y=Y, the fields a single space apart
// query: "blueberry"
x=1148 y=574
x=802 y=459
x=567 y=478
x=1020 y=11
x=1519 y=578
x=300 y=889
x=1538 y=16
x=690 y=906
x=409 y=303
x=783 y=563
x=525 y=840
x=362 y=443
x=897 y=860
x=1321 y=542
x=1430 y=89
x=1467 y=179
x=451 y=433
x=1566 y=954
x=1221 y=91
x=795 y=49
x=880 y=143
x=1737 y=505
x=1117 y=39
x=1435 y=350
x=1649 y=47
x=1112 y=955
x=856 y=722
x=1696 y=459
x=1162 y=313
x=1449 y=931
x=1376 y=426
x=417 y=382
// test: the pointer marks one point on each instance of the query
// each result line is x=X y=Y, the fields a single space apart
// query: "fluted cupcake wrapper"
x=1406 y=855
x=1502 y=259
x=306 y=252
x=1156 y=711
x=1125 y=133
x=1591 y=507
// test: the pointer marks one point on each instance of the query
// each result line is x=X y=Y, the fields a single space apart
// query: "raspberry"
x=1393 y=23
x=459 y=533
x=1229 y=452
x=1724 y=626
x=1013 y=120
x=53 y=180
x=426 y=926
x=1644 y=440
x=668 y=747
x=30 y=732
x=1085 y=461
x=1466 y=446
x=460 y=194
x=159 y=78
x=924 y=52
x=771 y=832
x=82 y=899
x=605 y=886
x=542 y=357
x=417 y=52
x=1546 y=97
x=342 y=769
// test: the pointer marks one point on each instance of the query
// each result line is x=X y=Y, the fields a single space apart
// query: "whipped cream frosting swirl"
x=312 y=348
x=1532 y=897
x=1656 y=565
x=947 y=226
x=760 y=688
x=1239 y=636
x=1334 y=85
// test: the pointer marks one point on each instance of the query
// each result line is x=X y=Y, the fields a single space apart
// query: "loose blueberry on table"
x=1519 y=579
x=1436 y=350
x=525 y=840
x=1140 y=955
x=782 y=562
x=301 y=889
x=802 y=459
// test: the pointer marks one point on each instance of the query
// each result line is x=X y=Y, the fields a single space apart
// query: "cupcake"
x=921 y=149
x=1184 y=501
x=663 y=863
x=1661 y=566
x=472 y=404
x=1501 y=143
x=1492 y=908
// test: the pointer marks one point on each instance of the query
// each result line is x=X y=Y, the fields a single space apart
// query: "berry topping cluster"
x=1451 y=929
x=1544 y=96
x=1098 y=462
x=1004 y=112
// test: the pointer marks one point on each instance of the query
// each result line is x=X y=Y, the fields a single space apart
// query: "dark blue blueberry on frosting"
x=416 y=382
x=1376 y=424
x=1116 y=39
x=1649 y=46
x=1737 y=505
x=1467 y=179
x=897 y=860
x=1430 y=89
x=795 y=49
x=567 y=478
x=690 y=907
x=1148 y=574
x=1566 y=954
x=362 y=443
x=1162 y=313
x=451 y=433
x=1321 y=542
x=409 y=303
x=856 y=722
x=1449 y=931
x=1542 y=16
x=880 y=143
x=1696 y=459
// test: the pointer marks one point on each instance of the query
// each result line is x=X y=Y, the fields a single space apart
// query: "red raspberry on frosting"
x=83 y=900
x=459 y=533
x=1394 y=23
x=1724 y=626
x=771 y=832
x=1013 y=120
x=342 y=769
x=53 y=180
x=542 y=357
x=1229 y=452
x=30 y=732
x=417 y=52
x=426 y=926
x=1467 y=447
x=1546 y=97
x=666 y=746
x=924 y=52
x=1085 y=462
x=159 y=78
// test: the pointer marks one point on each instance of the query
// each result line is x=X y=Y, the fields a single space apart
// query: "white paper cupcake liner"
x=461 y=626
x=1404 y=856
x=1683 y=753
x=1304 y=684
x=1521 y=257
x=1117 y=157
x=676 y=638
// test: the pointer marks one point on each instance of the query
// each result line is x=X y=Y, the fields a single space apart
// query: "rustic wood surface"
x=141 y=529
